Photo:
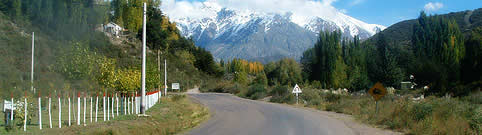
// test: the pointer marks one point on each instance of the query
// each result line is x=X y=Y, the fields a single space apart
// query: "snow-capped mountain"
x=261 y=36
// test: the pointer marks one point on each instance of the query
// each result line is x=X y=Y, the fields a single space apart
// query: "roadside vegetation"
x=335 y=74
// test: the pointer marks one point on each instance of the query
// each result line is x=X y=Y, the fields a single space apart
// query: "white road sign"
x=175 y=86
x=296 y=89
x=8 y=105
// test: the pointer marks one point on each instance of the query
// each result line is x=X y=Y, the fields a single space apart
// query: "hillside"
x=401 y=32
x=87 y=60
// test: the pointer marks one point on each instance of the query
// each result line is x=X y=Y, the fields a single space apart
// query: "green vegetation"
x=173 y=115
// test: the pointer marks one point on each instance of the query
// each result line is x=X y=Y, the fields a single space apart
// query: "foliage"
x=281 y=94
x=240 y=65
x=472 y=63
x=254 y=92
x=261 y=79
x=439 y=49
x=128 y=80
x=77 y=62
x=241 y=77
x=284 y=72
x=384 y=68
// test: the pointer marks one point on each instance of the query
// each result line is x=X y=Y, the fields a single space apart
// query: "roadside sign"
x=175 y=86
x=8 y=105
x=377 y=91
x=296 y=89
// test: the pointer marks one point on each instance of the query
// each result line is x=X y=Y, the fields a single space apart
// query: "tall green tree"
x=385 y=68
x=325 y=61
x=439 y=49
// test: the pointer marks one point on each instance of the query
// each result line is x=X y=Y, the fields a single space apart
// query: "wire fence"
x=60 y=111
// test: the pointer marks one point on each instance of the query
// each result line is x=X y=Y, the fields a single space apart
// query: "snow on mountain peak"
x=212 y=14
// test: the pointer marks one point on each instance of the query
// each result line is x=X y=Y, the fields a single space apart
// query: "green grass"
x=168 y=117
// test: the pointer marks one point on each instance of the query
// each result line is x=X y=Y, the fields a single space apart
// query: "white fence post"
x=39 y=110
x=137 y=105
x=25 y=116
x=112 y=109
x=91 y=108
x=108 y=111
x=84 y=108
x=69 y=112
x=117 y=105
x=60 y=113
x=50 y=111
x=128 y=104
x=133 y=103
x=103 y=106
x=78 y=108
x=11 y=110
x=96 y=105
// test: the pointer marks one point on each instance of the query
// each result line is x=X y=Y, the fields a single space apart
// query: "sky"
x=383 y=12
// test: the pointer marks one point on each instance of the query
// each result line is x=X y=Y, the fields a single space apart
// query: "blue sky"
x=388 y=12
x=384 y=12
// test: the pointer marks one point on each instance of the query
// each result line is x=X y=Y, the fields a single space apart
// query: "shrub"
x=281 y=94
x=421 y=110
x=255 y=92
x=330 y=97
x=312 y=96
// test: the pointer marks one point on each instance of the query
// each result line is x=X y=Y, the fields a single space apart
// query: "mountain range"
x=260 y=36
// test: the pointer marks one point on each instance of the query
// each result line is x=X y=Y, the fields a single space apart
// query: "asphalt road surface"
x=232 y=115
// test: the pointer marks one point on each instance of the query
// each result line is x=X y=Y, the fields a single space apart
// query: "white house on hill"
x=113 y=29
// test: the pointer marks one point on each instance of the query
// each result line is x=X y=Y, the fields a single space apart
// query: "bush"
x=421 y=110
x=254 y=92
x=312 y=96
x=330 y=97
x=281 y=94
x=476 y=120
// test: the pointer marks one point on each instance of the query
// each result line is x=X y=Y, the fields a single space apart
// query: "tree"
x=325 y=61
x=285 y=72
x=439 y=49
x=385 y=69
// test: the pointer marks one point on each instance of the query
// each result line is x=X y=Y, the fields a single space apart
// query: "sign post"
x=175 y=86
x=377 y=92
x=296 y=90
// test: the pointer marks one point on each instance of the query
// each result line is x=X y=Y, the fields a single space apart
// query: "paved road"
x=235 y=116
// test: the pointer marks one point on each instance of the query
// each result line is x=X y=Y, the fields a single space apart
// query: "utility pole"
x=165 y=78
x=33 y=50
x=143 y=92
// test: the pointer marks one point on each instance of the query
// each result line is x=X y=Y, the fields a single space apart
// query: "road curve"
x=232 y=115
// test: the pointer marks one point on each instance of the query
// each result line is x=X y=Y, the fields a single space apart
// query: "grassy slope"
x=172 y=116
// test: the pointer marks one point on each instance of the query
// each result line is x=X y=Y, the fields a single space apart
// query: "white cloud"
x=431 y=7
x=344 y=11
x=300 y=8
x=356 y=2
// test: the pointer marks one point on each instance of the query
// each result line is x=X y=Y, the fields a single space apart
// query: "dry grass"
x=430 y=116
